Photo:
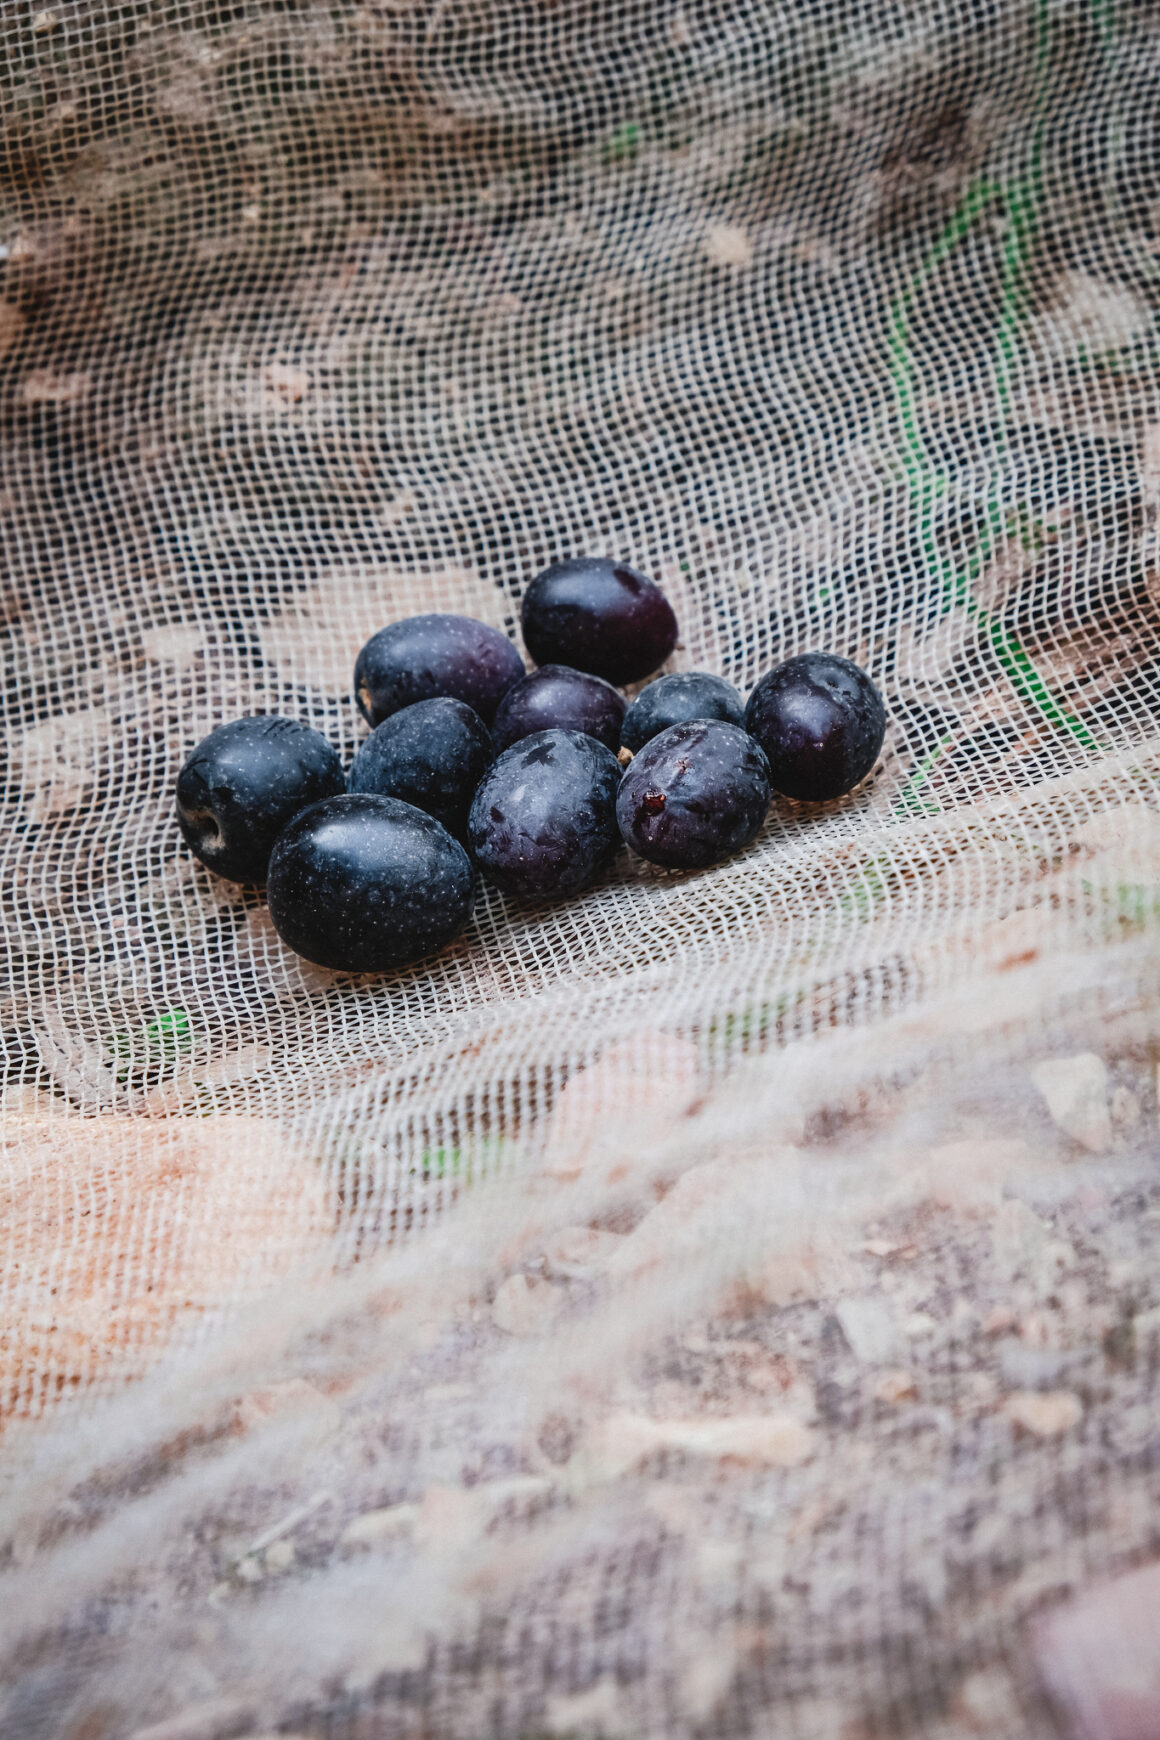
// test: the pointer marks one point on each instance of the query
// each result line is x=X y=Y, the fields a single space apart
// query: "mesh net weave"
x=719 y=1305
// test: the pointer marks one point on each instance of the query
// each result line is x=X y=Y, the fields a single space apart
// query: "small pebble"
x=525 y=1305
x=1099 y=1657
x=1076 y=1091
x=871 y=1328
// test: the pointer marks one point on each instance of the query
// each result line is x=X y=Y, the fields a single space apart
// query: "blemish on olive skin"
x=652 y=803
x=204 y=826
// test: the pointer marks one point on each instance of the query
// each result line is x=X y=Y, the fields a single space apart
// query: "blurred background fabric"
x=721 y=1304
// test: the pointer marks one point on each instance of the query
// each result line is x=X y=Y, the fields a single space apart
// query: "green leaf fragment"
x=161 y=1041
x=624 y=143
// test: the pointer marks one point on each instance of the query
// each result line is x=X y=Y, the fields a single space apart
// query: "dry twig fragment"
x=12 y=324
x=43 y=387
x=1046 y=1414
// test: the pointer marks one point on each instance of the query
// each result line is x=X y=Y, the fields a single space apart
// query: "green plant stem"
x=1021 y=201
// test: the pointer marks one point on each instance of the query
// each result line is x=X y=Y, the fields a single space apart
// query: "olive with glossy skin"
x=820 y=720
x=362 y=883
x=676 y=699
x=555 y=697
x=432 y=754
x=543 y=822
x=425 y=656
x=244 y=782
x=598 y=615
x=695 y=794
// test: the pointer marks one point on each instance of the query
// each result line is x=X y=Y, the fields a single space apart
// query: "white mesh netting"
x=719 y=1305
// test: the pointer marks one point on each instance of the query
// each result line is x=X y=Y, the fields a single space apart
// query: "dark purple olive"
x=362 y=883
x=425 y=656
x=600 y=616
x=543 y=822
x=432 y=754
x=820 y=721
x=675 y=700
x=556 y=698
x=244 y=782
x=695 y=794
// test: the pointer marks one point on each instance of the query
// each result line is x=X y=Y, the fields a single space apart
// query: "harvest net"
x=722 y=1304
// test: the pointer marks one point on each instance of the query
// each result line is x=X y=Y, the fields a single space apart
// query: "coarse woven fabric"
x=720 y=1304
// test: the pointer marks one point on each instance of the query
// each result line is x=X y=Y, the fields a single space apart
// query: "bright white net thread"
x=717 y=1305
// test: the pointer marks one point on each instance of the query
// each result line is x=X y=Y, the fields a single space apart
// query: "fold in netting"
x=720 y=1303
